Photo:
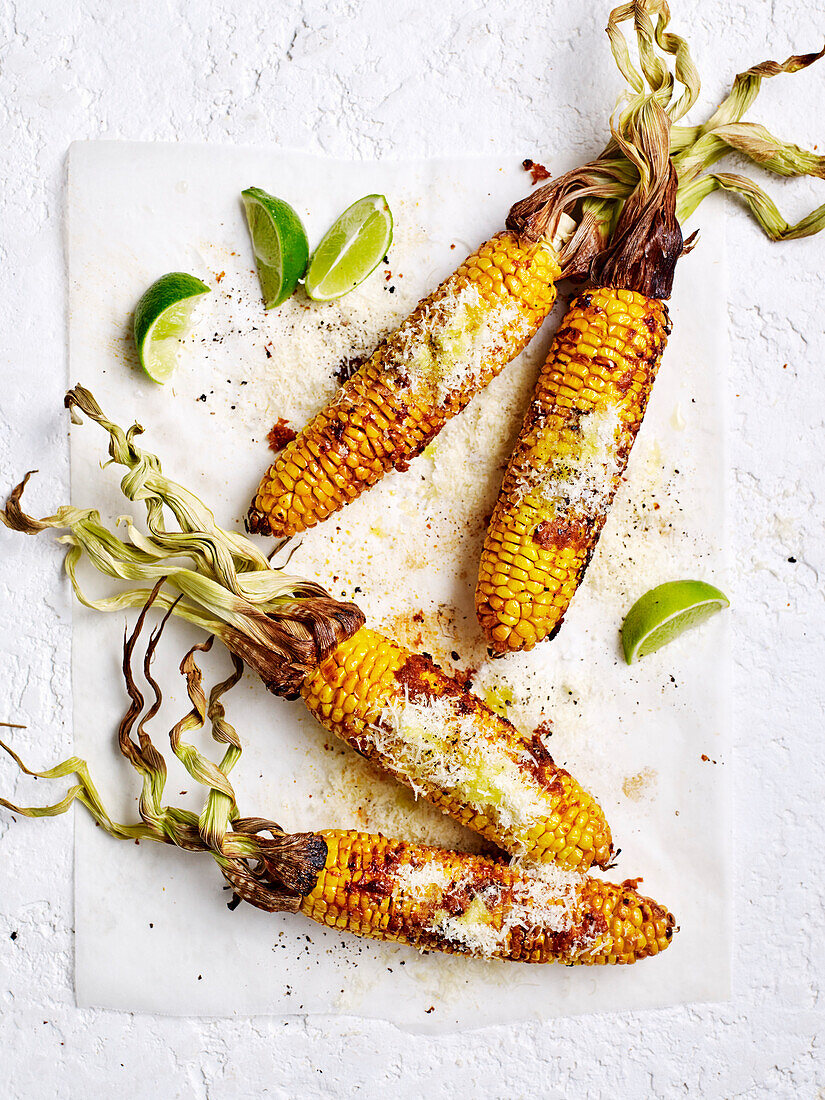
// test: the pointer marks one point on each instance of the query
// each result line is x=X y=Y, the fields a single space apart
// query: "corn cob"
x=366 y=884
x=376 y=695
x=452 y=345
x=406 y=715
x=450 y=901
x=588 y=405
x=594 y=387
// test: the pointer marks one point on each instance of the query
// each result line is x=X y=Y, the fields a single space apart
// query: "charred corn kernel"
x=401 y=711
x=452 y=345
x=450 y=901
x=563 y=474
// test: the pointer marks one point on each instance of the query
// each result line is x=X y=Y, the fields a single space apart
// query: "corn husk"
x=619 y=174
x=280 y=625
x=270 y=871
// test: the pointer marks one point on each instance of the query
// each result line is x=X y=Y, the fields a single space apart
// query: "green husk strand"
x=281 y=626
x=272 y=872
x=695 y=148
x=654 y=71
x=606 y=184
x=700 y=147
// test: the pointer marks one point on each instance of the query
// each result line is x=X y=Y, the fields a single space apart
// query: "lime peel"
x=162 y=318
x=279 y=242
x=664 y=612
x=351 y=249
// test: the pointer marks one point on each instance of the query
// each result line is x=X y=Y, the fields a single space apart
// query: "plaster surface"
x=420 y=79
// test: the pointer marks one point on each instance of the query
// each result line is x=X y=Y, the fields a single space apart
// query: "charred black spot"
x=555 y=630
x=257 y=523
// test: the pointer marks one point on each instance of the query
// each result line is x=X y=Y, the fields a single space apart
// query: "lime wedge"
x=280 y=244
x=162 y=319
x=664 y=612
x=352 y=249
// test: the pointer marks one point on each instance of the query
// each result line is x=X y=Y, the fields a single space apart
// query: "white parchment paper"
x=153 y=929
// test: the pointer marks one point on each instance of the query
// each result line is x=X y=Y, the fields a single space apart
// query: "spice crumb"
x=279 y=435
x=537 y=171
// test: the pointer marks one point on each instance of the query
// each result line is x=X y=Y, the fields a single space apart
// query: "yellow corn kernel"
x=432 y=898
x=588 y=405
x=563 y=813
x=379 y=420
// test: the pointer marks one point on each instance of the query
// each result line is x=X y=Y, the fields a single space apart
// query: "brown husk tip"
x=536 y=217
x=284 y=651
x=647 y=240
x=257 y=523
x=13 y=515
x=294 y=860
x=646 y=244
x=285 y=872
x=250 y=886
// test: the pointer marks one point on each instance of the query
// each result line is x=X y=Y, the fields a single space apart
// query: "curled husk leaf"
x=647 y=240
x=272 y=872
x=281 y=626
x=696 y=148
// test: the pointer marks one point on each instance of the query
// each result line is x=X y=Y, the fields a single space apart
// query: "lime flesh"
x=280 y=244
x=162 y=319
x=664 y=612
x=351 y=249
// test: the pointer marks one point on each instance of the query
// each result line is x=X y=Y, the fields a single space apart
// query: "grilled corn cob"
x=450 y=901
x=366 y=884
x=563 y=474
x=376 y=695
x=452 y=345
x=594 y=387
x=402 y=712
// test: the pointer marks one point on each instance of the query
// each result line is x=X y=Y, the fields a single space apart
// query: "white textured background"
x=415 y=79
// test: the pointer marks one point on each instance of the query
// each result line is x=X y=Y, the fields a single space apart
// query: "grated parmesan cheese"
x=532 y=905
x=438 y=748
x=582 y=480
x=425 y=882
x=473 y=930
x=445 y=346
